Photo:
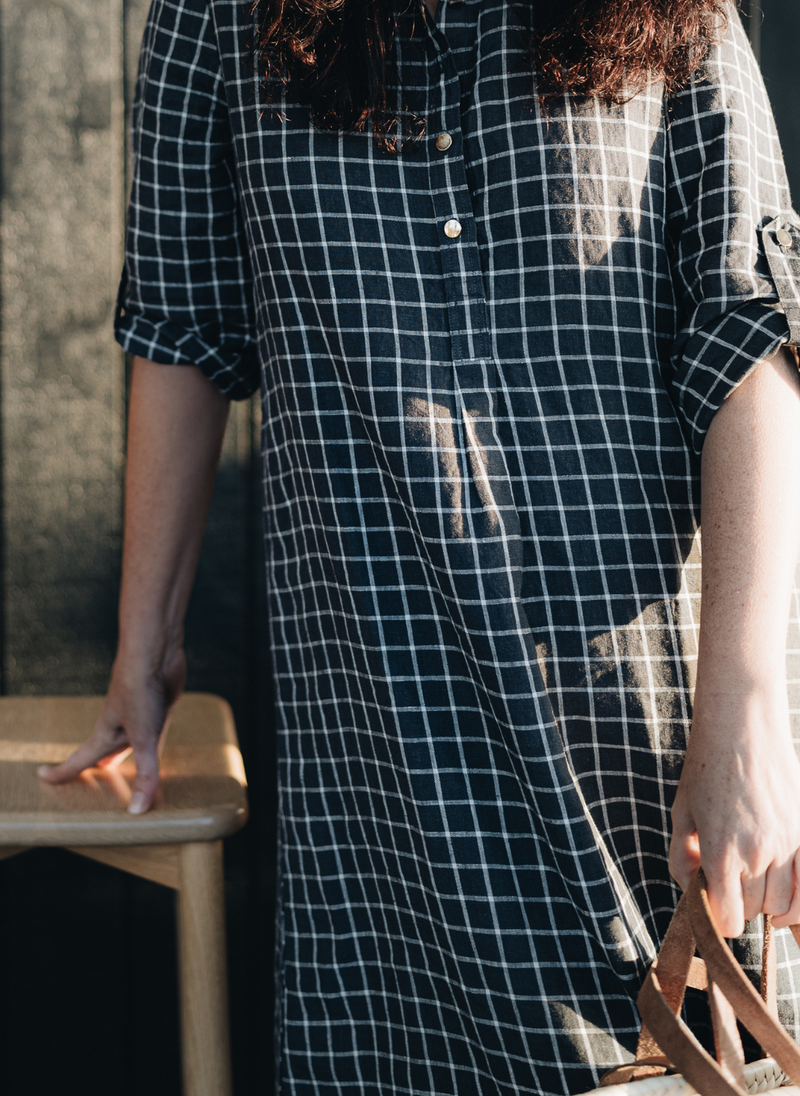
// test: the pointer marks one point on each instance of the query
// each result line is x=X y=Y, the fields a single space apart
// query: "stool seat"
x=201 y=797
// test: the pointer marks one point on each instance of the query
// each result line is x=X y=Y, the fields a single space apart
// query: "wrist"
x=144 y=653
x=741 y=712
x=741 y=669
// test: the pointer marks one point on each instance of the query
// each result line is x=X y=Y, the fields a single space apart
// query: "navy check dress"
x=487 y=367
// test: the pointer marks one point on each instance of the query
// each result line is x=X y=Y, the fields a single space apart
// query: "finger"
x=106 y=739
x=726 y=897
x=778 y=890
x=754 y=889
x=792 y=916
x=684 y=857
x=144 y=787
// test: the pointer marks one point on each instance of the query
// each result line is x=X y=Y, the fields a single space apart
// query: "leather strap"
x=635 y=1071
x=680 y=1045
x=676 y=959
x=734 y=983
x=727 y=1041
x=666 y=1042
x=769 y=974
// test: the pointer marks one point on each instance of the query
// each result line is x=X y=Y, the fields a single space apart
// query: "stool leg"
x=203 y=974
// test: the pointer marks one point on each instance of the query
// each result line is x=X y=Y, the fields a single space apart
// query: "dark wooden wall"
x=87 y=956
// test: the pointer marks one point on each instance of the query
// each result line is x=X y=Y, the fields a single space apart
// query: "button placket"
x=452 y=203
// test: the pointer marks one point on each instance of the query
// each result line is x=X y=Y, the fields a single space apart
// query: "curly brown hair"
x=611 y=49
x=338 y=56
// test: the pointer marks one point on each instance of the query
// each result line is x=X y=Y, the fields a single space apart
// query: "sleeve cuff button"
x=784 y=238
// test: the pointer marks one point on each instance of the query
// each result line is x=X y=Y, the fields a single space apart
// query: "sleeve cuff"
x=718 y=357
x=235 y=371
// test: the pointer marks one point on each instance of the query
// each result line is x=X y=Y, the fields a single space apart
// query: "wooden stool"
x=201 y=799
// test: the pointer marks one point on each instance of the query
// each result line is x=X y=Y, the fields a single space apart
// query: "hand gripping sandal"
x=666 y=1043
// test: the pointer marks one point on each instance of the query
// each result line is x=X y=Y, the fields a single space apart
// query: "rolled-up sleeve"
x=186 y=294
x=734 y=239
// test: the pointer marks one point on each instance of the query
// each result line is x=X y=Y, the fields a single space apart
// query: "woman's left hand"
x=737 y=809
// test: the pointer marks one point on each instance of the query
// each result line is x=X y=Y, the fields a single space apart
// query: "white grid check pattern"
x=481 y=473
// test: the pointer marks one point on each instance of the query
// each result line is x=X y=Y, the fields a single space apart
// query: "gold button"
x=443 y=142
x=784 y=238
x=452 y=229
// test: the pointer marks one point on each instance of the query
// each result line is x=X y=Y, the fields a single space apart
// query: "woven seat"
x=201 y=799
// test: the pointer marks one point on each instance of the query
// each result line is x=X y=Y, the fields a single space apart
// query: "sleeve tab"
x=781 y=239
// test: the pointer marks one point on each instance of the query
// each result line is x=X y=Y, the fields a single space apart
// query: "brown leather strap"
x=675 y=959
x=769 y=972
x=635 y=1071
x=680 y=1045
x=734 y=983
x=727 y=1041
x=676 y=966
x=698 y=974
x=665 y=1040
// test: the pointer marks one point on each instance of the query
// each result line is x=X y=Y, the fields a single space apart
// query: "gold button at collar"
x=784 y=238
x=452 y=229
x=443 y=142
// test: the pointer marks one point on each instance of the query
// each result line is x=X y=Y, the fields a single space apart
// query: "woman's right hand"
x=134 y=715
x=176 y=422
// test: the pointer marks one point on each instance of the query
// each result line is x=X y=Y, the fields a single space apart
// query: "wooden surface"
x=204 y=1001
x=158 y=863
x=201 y=795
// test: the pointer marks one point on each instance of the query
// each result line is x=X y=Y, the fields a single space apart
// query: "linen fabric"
x=481 y=456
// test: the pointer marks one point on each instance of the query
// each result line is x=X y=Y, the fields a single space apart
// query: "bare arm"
x=738 y=803
x=175 y=427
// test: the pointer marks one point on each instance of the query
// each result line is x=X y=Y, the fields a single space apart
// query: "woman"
x=505 y=273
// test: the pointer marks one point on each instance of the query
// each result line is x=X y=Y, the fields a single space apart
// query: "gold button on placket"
x=443 y=142
x=452 y=228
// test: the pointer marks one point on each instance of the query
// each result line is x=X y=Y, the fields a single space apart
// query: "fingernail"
x=43 y=770
x=138 y=803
